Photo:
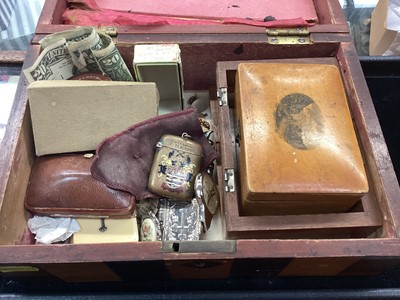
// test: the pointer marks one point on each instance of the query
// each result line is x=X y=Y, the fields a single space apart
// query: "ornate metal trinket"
x=176 y=162
x=181 y=221
x=207 y=192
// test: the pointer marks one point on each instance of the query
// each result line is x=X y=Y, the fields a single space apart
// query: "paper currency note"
x=53 y=63
x=73 y=35
x=110 y=60
x=86 y=49
x=82 y=51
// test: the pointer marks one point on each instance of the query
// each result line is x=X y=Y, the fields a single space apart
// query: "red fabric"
x=103 y=18
x=92 y=4
x=214 y=10
x=96 y=16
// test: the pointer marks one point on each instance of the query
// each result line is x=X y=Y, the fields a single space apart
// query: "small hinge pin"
x=229 y=178
x=222 y=95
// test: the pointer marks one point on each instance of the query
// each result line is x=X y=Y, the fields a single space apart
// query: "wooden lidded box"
x=363 y=240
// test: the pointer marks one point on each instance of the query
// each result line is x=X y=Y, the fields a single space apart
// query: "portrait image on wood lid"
x=299 y=121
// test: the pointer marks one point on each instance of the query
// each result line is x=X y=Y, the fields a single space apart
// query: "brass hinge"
x=222 y=94
x=289 y=36
x=111 y=31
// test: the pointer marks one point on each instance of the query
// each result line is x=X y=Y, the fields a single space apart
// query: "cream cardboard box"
x=161 y=63
x=106 y=231
x=73 y=116
x=385 y=27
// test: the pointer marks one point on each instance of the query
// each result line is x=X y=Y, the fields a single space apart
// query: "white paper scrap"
x=51 y=230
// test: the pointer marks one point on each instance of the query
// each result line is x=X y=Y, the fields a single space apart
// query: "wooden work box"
x=239 y=223
x=298 y=149
x=289 y=245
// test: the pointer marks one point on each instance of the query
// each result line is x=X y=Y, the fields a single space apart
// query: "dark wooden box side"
x=371 y=136
x=16 y=159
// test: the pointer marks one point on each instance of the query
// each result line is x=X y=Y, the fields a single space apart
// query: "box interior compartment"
x=363 y=221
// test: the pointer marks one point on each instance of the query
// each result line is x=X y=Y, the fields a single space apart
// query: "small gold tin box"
x=176 y=162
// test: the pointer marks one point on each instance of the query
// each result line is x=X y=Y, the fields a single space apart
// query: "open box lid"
x=215 y=17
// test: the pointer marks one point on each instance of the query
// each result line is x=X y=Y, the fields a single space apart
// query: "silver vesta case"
x=176 y=162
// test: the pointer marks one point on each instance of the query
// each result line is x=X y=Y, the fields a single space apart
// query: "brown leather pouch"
x=62 y=185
